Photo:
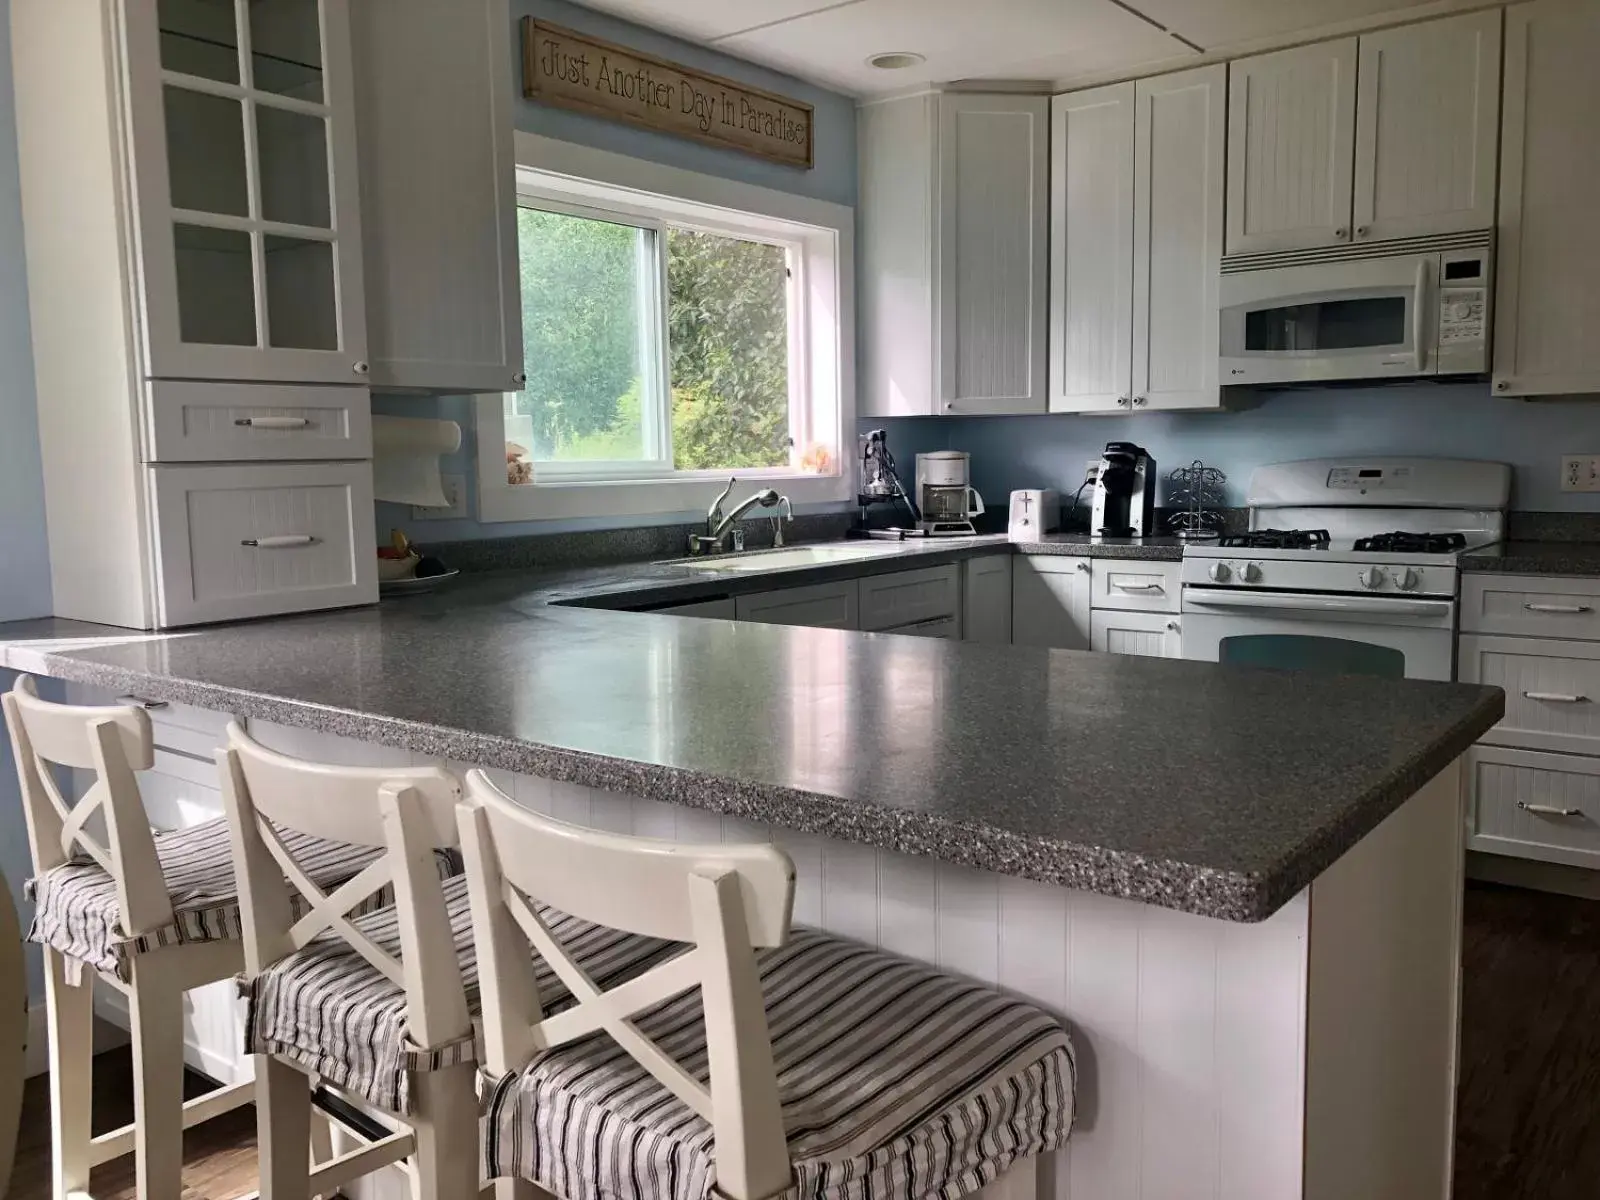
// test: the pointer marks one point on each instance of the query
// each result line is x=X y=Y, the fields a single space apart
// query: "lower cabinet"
x=1050 y=602
x=1534 y=805
x=986 y=600
x=1152 y=635
x=821 y=606
x=722 y=607
x=908 y=598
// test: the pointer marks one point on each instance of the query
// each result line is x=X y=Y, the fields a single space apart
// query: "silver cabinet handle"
x=1548 y=810
x=142 y=702
x=1557 y=697
x=279 y=541
x=272 y=422
x=1137 y=587
x=1570 y=610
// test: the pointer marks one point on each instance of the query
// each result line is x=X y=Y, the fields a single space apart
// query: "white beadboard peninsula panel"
x=991 y=268
x=1091 y=250
x=1552 y=690
x=1534 y=805
x=232 y=422
x=1428 y=128
x=205 y=516
x=1531 y=605
x=1291 y=145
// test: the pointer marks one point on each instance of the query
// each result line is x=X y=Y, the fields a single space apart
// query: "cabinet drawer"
x=233 y=422
x=195 y=732
x=824 y=606
x=1531 y=805
x=1137 y=586
x=909 y=597
x=1552 y=690
x=948 y=628
x=252 y=541
x=1148 y=635
x=1531 y=605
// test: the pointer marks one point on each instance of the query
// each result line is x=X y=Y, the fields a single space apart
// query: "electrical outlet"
x=1580 y=473
x=455 y=490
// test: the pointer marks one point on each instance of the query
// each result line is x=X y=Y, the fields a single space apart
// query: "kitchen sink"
x=779 y=560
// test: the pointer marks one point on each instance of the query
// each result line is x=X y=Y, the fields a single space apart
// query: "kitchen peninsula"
x=1242 y=888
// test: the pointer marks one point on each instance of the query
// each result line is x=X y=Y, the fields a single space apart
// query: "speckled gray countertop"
x=1153 y=549
x=1535 y=558
x=1214 y=790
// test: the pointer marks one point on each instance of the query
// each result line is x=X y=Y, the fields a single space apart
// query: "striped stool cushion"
x=77 y=911
x=896 y=1080
x=329 y=1010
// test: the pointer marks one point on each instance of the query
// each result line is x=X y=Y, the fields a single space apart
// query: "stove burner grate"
x=1401 y=542
x=1278 y=539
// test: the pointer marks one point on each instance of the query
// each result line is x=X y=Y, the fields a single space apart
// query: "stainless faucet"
x=717 y=525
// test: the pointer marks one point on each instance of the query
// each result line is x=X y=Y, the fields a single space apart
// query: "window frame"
x=581 y=181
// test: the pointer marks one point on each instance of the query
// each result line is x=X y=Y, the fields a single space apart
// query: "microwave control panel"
x=1463 y=300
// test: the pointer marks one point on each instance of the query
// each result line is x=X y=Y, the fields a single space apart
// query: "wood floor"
x=1529 y=1124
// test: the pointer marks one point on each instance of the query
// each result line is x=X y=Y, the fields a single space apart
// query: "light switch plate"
x=455 y=489
x=1580 y=473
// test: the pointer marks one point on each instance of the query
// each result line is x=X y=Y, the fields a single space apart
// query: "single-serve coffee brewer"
x=945 y=494
x=1124 y=492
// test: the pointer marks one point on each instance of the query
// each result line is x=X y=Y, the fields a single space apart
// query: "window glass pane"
x=205 y=153
x=200 y=37
x=216 y=286
x=587 y=309
x=728 y=333
x=1330 y=325
x=1299 y=652
x=286 y=48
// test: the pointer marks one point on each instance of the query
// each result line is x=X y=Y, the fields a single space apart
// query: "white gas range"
x=1350 y=565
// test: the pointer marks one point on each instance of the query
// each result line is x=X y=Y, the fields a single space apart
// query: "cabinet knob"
x=519 y=378
x=1341 y=233
x=1173 y=626
x=1140 y=401
x=360 y=367
x=1123 y=402
x=1362 y=231
x=1502 y=385
x=1083 y=566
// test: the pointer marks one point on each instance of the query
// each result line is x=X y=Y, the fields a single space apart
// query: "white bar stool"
x=152 y=915
x=820 y=1064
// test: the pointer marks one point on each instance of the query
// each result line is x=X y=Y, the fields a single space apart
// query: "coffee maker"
x=945 y=494
x=1124 y=492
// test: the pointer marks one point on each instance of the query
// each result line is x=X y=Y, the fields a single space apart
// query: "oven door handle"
x=1419 y=315
x=1379 y=606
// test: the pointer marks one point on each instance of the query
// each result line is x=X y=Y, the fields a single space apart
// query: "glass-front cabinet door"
x=245 y=182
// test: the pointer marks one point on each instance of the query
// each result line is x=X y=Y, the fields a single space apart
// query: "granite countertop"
x=1214 y=790
x=1535 y=558
x=1153 y=549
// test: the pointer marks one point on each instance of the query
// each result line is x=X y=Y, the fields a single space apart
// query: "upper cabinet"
x=1547 y=309
x=1291 y=135
x=244 y=180
x=1136 y=244
x=438 y=194
x=1384 y=136
x=952 y=271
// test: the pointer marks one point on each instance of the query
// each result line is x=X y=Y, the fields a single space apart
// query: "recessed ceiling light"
x=896 y=60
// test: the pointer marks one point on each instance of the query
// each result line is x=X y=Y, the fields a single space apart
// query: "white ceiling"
x=1060 y=42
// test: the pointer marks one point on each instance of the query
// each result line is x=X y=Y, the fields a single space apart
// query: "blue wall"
x=1448 y=421
x=24 y=553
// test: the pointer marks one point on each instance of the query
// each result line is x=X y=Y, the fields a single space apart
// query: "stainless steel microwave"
x=1405 y=309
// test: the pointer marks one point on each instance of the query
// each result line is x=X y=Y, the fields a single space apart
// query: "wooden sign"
x=574 y=70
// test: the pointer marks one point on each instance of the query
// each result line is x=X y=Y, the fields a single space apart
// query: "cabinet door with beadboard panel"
x=230 y=422
x=1552 y=690
x=1050 y=602
x=1546 y=305
x=1091 y=250
x=1150 y=635
x=1527 y=804
x=990 y=266
x=1427 y=128
x=1291 y=146
x=1180 y=140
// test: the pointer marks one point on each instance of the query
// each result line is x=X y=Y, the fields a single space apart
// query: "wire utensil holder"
x=1196 y=492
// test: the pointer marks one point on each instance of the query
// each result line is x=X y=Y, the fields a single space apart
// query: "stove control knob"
x=1372 y=578
x=1408 y=580
x=1219 y=572
x=1249 y=572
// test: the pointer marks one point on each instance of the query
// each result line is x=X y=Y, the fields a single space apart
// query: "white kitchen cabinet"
x=910 y=598
x=1137 y=585
x=1526 y=804
x=820 y=606
x=1050 y=601
x=1552 y=690
x=1180 y=137
x=721 y=608
x=1547 y=305
x=1427 y=128
x=1291 y=148
x=438 y=194
x=1136 y=204
x=240 y=422
x=986 y=600
x=1149 y=634
x=953 y=284
x=242 y=165
x=1091 y=249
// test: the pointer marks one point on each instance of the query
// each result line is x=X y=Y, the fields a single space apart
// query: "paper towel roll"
x=405 y=459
